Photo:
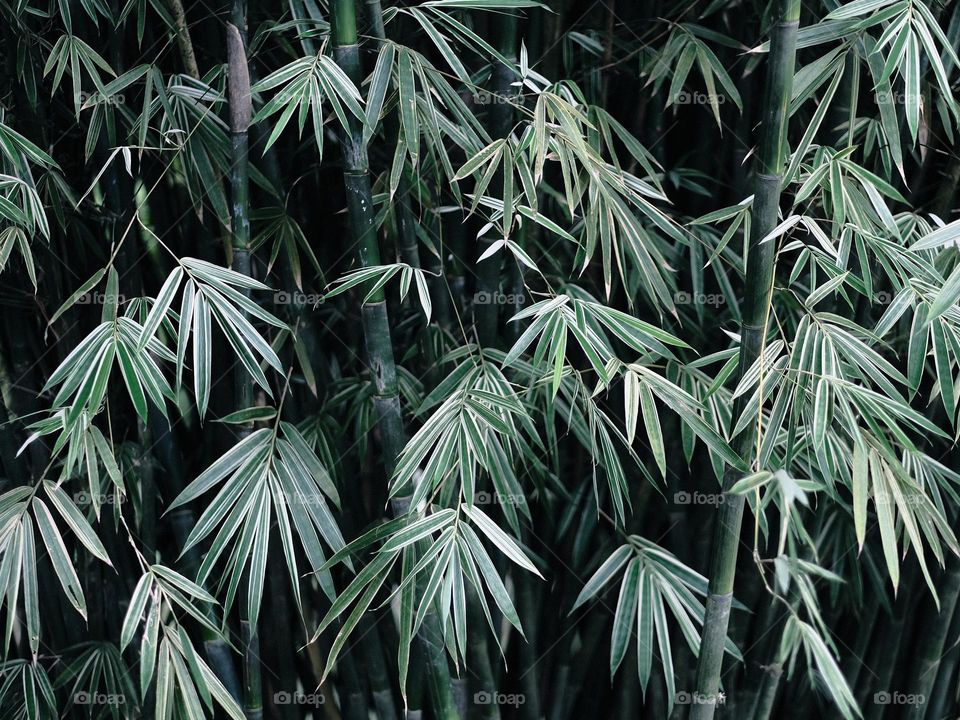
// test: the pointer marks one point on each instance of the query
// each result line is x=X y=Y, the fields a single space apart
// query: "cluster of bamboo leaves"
x=241 y=460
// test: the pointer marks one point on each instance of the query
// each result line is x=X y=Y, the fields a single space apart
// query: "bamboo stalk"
x=375 y=319
x=478 y=656
x=409 y=253
x=238 y=83
x=353 y=703
x=854 y=665
x=756 y=311
x=931 y=640
x=182 y=522
x=376 y=328
x=767 y=693
x=407 y=245
x=406 y=241
x=529 y=599
x=185 y=45
x=943 y=693
x=280 y=640
x=381 y=688
x=22 y=398
x=884 y=653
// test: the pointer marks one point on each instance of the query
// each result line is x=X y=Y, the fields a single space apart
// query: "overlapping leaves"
x=443 y=557
x=211 y=294
x=270 y=476
x=183 y=678
x=653 y=583
x=24 y=515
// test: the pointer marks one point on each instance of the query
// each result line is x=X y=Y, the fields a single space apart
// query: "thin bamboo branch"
x=184 y=43
x=501 y=124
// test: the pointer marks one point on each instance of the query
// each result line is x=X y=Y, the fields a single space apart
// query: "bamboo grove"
x=462 y=359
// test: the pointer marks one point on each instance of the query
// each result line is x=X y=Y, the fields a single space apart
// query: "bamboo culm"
x=376 y=326
x=238 y=78
x=756 y=312
x=931 y=641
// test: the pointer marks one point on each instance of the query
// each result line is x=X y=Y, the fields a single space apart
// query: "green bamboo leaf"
x=149 y=645
x=379 y=85
x=490 y=577
x=861 y=479
x=751 y=482
x=59 y=557
x=623 y=621
x=498 y=537
x=858 y=8
x=172 y=579
x=202 y=353
x=422 y=528
x=226 y=464
x=161 y=305
x=943 y=367
x=947 y=296
x=138 y=603
x=77 y=522
x=610 y=567
x=77 y=294
x=258 y=413
x=31 y=594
